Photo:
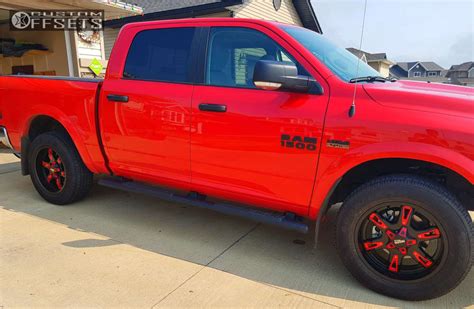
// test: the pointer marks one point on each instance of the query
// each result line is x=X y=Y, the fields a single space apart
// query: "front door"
x=256 y=146
x=145 y=115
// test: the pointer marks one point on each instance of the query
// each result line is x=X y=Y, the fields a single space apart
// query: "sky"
x=407 y=30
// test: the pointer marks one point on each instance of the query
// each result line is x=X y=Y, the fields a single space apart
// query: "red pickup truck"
x=270 y=122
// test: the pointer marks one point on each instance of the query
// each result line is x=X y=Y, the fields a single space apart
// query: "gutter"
x=185 y=12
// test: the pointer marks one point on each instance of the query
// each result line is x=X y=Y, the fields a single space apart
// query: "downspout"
x=70 y=62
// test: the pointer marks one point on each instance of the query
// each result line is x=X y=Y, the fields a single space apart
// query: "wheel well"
x=367 y=171
x=43 y=124
x=38 y=126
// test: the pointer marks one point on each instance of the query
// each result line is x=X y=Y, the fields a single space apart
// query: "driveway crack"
x=208 y=263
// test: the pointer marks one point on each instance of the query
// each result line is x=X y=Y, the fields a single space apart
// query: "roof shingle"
x=466 y=66
x=369 y=56
x=151 y=6
x=428 y=65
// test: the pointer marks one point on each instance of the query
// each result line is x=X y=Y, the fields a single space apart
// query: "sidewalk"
x=117 y=249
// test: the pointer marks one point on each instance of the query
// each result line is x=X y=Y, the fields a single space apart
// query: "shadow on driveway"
x=266 y=254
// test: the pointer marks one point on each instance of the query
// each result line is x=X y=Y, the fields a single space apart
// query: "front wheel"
x=57 y=170
x=405 y=237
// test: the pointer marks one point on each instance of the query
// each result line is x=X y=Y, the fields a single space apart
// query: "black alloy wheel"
x=401 y=241
x=50 y=169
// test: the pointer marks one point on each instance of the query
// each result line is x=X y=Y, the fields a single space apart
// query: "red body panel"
x=148 y=137
x=379 y=131
x=160 y=136
x=72 y=103
x=238 y=154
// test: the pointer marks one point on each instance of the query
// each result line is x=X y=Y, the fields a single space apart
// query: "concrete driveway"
x=116 y=249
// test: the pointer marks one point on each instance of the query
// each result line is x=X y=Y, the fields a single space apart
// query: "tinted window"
x=161 y=55
x=233 y=53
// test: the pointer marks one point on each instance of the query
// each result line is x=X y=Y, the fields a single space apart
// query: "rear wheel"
x=57 y=170
x=405 y=237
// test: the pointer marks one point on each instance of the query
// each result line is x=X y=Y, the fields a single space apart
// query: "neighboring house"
x=419 y=70
x=297 y=12
x=462 y=74
x=377 y=61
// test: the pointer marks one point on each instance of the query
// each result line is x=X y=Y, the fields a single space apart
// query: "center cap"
x=399 y=242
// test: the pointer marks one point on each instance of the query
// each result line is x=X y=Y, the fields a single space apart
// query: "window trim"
x=195 y=44
x=417 y=74
x=432 y=74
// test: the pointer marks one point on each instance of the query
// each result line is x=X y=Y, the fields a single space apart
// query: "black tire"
x=424 y=203
x=71 y=180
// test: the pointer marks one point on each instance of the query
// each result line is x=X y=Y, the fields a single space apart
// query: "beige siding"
x=263 y=9
x=87 y=50
x=384 y=70
x=110 y=35
x=381 y=67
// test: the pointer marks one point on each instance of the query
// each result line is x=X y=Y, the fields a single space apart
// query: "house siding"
x=397 y=71
x=416 y=69
x=110 y=35
x=263 y=9
x=384 y=69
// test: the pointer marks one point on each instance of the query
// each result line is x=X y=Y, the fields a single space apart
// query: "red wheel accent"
x=430 y=234
x=391 y=234
x=50 y=155
x=377 y=221
x=394 y=260
x=395 y=241
x=422 y=260
x=58 y=183
x=55 y=176
x=371 y=245
x=406 y=215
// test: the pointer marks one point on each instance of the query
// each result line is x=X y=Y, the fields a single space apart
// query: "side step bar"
x=287 y=221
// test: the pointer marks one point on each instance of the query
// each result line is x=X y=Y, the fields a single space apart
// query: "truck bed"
x=70 y=100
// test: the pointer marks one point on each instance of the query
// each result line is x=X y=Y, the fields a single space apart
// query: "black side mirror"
x=274 y=75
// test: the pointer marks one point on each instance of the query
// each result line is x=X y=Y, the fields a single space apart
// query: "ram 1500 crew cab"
x=274 y=117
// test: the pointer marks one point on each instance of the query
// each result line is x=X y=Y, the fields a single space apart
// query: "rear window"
x=160 y=55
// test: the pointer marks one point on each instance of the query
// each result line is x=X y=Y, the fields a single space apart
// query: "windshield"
x=340 y=61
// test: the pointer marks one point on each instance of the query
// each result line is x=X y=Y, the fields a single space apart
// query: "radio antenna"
x=352 y=109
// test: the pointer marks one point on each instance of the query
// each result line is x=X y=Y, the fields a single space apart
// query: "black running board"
x=287 y=221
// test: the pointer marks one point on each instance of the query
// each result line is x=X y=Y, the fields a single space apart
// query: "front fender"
x=329 y=175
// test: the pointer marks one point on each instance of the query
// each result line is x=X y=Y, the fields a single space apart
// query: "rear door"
x=145 y=112
x=256 y=146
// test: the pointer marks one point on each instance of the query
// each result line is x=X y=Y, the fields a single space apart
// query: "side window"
x=233 y=53
x=160 y=55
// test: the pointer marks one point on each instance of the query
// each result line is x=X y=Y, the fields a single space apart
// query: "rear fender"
x=78 y=137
